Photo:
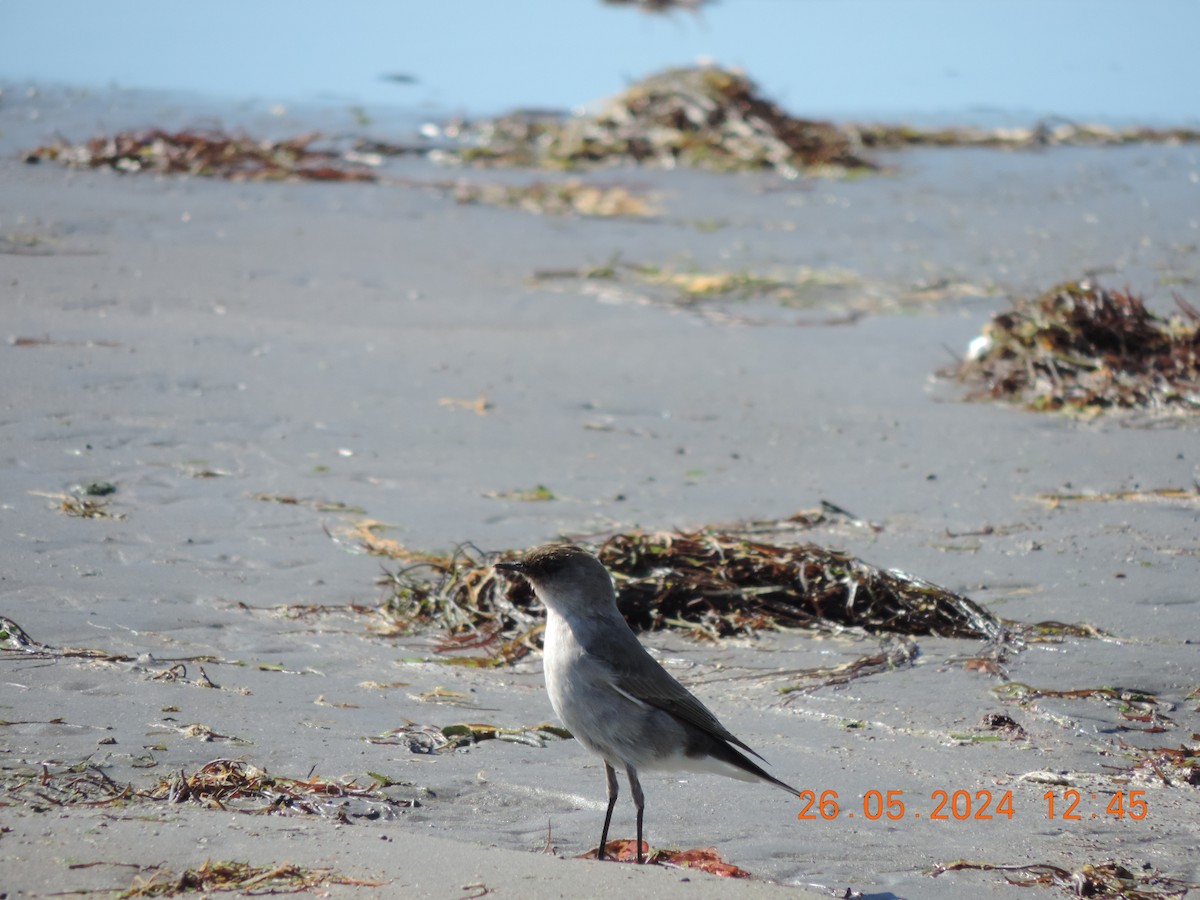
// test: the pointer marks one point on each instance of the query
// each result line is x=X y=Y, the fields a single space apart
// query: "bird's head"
x=567 y=579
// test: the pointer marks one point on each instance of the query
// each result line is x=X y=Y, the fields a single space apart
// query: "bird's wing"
x=652 y=684
x=638 y=675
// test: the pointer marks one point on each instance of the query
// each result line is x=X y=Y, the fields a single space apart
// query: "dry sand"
x=299 y=339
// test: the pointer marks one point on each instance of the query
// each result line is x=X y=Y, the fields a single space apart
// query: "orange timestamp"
x=1069 y=805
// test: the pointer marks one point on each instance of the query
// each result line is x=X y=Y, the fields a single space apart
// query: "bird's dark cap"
x=543 y=561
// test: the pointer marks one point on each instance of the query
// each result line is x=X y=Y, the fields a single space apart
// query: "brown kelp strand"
x=218 y=154
x=711 y=583
x=704 y=116
x=1171 y=766
x=1108 y=879
x=1079 y=348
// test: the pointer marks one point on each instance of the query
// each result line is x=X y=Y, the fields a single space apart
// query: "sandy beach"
x=379 y=351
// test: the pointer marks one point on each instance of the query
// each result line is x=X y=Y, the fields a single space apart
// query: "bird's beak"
x=510 y=568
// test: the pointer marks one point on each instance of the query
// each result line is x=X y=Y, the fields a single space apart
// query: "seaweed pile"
x=703 y=116
x=1079 y=348
x=209 y=153
x=710 y=583
x=693 y=578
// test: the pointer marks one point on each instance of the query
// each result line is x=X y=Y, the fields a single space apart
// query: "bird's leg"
x=613 y=790
x=639 y=800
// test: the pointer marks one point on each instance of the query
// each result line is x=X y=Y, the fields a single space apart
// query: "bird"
x=612 y=695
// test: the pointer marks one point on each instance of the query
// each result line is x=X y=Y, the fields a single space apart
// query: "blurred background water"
x=925 y=61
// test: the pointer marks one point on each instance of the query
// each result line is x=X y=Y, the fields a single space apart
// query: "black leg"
x=639 y=800
x=613 y=789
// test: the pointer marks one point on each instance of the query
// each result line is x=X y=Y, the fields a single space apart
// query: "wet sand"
x=299 y=340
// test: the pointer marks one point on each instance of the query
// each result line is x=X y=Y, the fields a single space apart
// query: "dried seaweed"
x=1050 y=631
x=894 y=654
x=711 y=292
x=704 y=116
x=19 y=244
x=231 y=784
x=559 y=198
x=725 y=582
x=47 y=341
x=1132 y=704
x=480 y=405
x=241 y=158
x=536 y=494
x=432 y=739
x=828 y=515
x=229 y=876
x=227 y=784
x=199 y=731
x=330 y=506
x=1079 y=348
x=1172 y=496
x=1172 y=766
x=459 y=592
x=14 y=639
x=80 y=506
x=792 y=290
x=80 y=785
x=218 y=154
x=570 y=196
x=710 y=583
x=1109 y=879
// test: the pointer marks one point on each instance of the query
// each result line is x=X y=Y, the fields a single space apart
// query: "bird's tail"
x=728 y=760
